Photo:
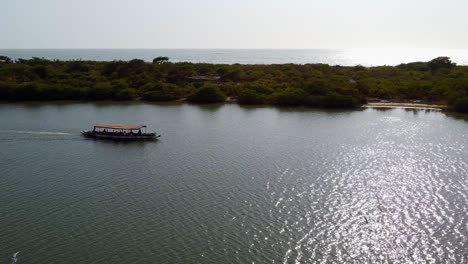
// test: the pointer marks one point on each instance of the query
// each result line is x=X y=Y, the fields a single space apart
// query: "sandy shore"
x=406 y=105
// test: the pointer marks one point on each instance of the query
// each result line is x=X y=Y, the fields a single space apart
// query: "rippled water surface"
x=231 y=184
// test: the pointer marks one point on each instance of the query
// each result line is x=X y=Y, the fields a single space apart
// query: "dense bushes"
x=461 y=105
x=161 y=92
x=247 y=97
x=289 y=97
x=338 y=101
x=316 y=85
x=207 y=94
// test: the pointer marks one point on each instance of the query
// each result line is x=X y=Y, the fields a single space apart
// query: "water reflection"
x=458 y=116
x=208 y=107
x=382 y=109
x=140 y=142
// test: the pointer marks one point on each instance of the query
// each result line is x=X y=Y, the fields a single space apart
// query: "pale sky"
x=293 y=24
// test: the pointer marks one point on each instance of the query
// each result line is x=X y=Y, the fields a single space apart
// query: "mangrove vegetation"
x=439 y=81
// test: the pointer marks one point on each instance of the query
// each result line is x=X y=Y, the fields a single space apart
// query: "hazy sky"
x=233 y=24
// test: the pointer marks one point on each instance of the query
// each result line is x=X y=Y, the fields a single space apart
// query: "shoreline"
x=421 y=106
x=389 y=105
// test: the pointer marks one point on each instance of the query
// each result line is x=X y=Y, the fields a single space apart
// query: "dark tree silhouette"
x=160 y=59
x=441 y=63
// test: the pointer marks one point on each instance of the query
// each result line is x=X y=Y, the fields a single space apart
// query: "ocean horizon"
x=343 y=57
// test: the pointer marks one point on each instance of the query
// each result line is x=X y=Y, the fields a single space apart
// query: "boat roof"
x=119 y=126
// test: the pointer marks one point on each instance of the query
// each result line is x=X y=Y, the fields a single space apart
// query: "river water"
x=232 y=184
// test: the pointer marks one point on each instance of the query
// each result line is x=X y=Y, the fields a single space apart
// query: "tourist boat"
x=119 y=131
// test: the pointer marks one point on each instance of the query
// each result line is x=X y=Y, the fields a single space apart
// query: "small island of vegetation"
x=438 y=81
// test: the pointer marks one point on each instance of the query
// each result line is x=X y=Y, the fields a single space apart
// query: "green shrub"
x=161 y=92
x=251 y=97
x=159 y=96
x=125 y=94
x=339 y=101
x=207 y=94
x=288 y=97
x=461 y=105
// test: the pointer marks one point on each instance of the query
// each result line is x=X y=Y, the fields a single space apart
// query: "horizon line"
x=374 y=48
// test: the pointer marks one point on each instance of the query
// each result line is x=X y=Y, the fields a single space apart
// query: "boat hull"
x=147 y=136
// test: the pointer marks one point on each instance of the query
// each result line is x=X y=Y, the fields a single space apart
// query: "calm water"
x=367 y=57
x=229 y=184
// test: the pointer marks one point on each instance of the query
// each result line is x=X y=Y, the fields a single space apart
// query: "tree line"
x=438 y=81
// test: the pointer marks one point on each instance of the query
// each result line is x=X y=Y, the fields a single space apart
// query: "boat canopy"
x=119 y=126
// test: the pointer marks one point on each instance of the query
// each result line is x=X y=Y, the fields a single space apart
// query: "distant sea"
x=350 y=57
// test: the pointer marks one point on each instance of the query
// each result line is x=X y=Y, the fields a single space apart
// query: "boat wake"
x=47 y=133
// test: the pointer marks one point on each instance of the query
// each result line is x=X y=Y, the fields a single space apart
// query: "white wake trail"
x=50 y=133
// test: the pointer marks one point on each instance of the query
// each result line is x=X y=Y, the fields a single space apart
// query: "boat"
x=119 y=131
